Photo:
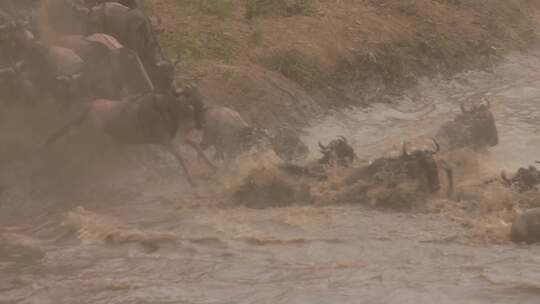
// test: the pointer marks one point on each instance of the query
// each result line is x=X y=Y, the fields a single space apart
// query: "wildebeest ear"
x=505 y=179
x=404 y=149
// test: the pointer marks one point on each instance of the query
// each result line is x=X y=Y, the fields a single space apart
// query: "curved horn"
x=343 y=138
x=437 y=147
x=505 y=179
x=404 y=149
x=322 y=146
x=462 y=107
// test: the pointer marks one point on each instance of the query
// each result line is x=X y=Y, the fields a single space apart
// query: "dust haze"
x=375 y=150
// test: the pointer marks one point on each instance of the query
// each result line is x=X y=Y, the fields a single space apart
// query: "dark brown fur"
x=524 y=180
x=474 y=128
x=153 y=118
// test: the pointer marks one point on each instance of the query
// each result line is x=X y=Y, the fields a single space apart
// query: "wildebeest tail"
x=64 y=129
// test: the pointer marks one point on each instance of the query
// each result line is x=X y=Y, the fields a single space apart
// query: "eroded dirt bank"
x=284 y=62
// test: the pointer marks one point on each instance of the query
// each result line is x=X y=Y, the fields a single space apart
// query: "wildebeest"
x=524 y=180
x=152 y=118
x=474 y=128
x=396 y=182
x=288 y=145
x=134 y=29
x=337 y=152
x=110 y=70
x=54 y=71
x=526 y=227
x=222 y=128
x=64 y=16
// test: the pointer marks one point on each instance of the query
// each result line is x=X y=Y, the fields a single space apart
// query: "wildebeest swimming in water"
x=474 y=128
x=152 y=118
x=396 y=182
x=288 y=145
x=526 y=227
x=336 y=153
x=524 y=180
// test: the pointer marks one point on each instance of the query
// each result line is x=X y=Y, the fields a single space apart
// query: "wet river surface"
x=147 y=239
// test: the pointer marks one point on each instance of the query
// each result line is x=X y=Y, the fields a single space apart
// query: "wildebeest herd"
x=104 y=57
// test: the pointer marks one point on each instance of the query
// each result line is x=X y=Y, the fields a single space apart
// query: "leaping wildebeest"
x=222 y=128
x=152 y=118
x=337 y=152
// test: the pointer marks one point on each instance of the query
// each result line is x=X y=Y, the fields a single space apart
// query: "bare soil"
x=290 y=62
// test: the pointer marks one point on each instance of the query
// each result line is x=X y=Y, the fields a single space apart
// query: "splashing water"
x=209 y=253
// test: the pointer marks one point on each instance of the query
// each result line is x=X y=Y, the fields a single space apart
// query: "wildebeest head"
x=194 y=98
x=288 y=145
x=525 y=179
x=421 y=162
x=337 y=152
x=162 y=70
x=481 y=124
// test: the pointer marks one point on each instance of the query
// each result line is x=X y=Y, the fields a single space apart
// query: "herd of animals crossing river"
x=105 y=56
x=103 y=59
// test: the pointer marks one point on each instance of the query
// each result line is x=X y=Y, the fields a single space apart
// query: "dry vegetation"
x=337 y=50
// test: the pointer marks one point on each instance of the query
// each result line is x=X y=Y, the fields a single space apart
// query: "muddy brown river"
x=119 y=225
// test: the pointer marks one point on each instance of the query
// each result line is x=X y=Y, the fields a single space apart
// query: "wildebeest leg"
x=219 y=155
x=205 y=143
x=450 y=175
x=170 y=148
x=200 y=153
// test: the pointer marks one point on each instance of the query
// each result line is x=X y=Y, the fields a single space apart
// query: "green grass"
x=295 y=66
x=198 y=45
x=256 y=8
x=220 y=8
